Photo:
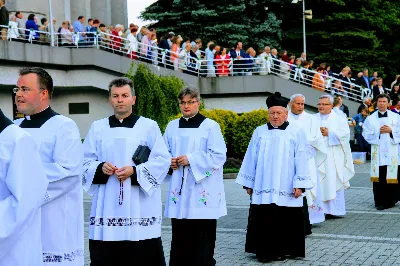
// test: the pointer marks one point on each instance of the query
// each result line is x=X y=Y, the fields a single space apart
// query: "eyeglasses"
x=24 y=90
x=188 y=103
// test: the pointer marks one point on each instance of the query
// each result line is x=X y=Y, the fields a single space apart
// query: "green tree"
x=224 y=21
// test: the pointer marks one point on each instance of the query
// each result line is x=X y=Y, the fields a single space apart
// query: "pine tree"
x=224 y=22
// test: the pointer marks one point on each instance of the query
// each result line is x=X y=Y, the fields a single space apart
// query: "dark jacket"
x=4 y=16
x=345 y=110
x=31 y=24
x=238 y=63
x=376 y=92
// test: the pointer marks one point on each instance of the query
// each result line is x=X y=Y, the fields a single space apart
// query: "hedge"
x=157 y=100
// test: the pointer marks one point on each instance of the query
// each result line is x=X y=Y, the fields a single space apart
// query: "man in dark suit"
x=379 y=88
x=4 y=19
x=363 y=81
x=238 y=63
x=343 y=107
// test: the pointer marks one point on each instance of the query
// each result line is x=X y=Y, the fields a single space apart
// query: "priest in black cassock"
x=196 y=197
x=125 y=162
x=275 y=173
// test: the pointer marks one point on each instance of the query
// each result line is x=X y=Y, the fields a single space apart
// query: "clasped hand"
x=297 y=192
x=324 y=131
x=180 y=160
x=122 y=173
x=385 y=129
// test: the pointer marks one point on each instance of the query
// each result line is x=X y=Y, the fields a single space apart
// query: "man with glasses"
x=61 y=153
x=125 y=163
x=23 y=185
x=274 y=173
x=336 y=132
x=196 y=197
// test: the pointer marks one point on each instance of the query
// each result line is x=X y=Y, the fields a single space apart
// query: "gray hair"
x=326 y=96
x=194 y=47
x=297 y=95
x=266 y=47
x=366 y=98
x=191 y=91
x=120 y=82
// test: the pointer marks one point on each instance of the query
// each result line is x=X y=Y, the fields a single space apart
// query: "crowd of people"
x=189 y=56
x=295 y=171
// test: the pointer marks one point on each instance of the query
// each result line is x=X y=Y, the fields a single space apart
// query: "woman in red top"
x=222 y=61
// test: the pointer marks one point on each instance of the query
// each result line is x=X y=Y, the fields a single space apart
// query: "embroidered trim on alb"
x=84 y=175
x=247 y=177
x=301 y=178
x=63 y=257
x=46 y=197
x=274 y=191
x=98 y=221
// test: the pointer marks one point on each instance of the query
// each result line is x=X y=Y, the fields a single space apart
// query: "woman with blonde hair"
x=249 y=61
x=175 y=49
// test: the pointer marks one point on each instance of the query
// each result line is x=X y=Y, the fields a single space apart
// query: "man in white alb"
x=125 y=163
x=310 y=125
x=61 y=155
x=23 y=185
x=196 y=197
x=338 y=159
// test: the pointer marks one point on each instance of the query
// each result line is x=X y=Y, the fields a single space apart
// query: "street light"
x=51 y=23
x=307 y=14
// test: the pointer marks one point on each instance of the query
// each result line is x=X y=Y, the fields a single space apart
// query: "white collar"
x=187 y=118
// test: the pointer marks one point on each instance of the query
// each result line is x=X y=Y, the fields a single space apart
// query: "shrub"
x=244 y=128
x=228 y=119
x=233 y=163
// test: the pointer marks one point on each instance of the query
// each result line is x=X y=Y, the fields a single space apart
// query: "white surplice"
x=275 y=163
x=23 y=185
x=202 y=191
x=385 y=150
x=62 y=212
x=139 y=216
x=311 y=127
x=339 y=161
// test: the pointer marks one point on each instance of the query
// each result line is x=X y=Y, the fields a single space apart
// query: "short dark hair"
x=45 y=81
x=191 y=91
x=236 y=45
x=102 y=25
x=120 y=82
x=383 y=95
x=31 y=16
x=96 y=21
x=80 y=17
x=211 y=47
x=43 y=20
x=17 y=13
x=89 y=20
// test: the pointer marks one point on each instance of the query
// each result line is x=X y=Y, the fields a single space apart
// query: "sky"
x=134 y=9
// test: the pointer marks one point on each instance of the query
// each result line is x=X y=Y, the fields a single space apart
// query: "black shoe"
x=389 y=206
x=279 y=258
x=380 y=208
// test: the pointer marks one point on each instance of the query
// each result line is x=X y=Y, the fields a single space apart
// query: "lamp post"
x=307 y=14
x=51 y=24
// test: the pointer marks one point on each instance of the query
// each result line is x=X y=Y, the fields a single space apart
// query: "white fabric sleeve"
x=340 y=133
x=302 y=177
x=166 y=141
x=151 y=174
x=26 y=183
x=90 y=162
x=396 y=132
x=64 y=173
x=370 y=134
x=204 y=163
x=247 y=173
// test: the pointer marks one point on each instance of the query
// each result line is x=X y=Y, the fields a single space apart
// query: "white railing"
x=183 y=62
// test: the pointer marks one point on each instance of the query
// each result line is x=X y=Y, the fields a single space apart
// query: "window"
x=78 y=108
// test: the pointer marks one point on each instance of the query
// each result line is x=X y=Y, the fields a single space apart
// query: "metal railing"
x=183 y=61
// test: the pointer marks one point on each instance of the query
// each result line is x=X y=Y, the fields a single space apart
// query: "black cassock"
x=386 y=195
x=275 y=231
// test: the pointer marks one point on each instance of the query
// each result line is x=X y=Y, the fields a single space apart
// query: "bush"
x=244 y=127
x=156 y=95
x=233 y=163
x=228 y=119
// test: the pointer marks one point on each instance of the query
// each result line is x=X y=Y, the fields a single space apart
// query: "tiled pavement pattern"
x=364 y=236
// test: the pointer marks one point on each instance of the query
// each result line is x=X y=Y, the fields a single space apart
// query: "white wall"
x=6 y=104
x=98 y=107
x=236 y=104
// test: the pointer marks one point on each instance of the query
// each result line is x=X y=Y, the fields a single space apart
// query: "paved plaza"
x=364 y=236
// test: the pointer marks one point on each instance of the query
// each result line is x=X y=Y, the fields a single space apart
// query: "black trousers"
x=132 y=253
x=307 y=224
x=275 y=231
x=193 y=242
x=385 y=195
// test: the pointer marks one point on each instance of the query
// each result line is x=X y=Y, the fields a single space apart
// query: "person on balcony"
x=4 y=19
x=175 y=49
x=31 y=25
x=44 y=35
x=66 y=34
x=132 y=44
x=13 y=32
x=237 y=55
x=249 y=61
x=379 y=88
x=223 y=62
x=318 y=81
x=116 y=40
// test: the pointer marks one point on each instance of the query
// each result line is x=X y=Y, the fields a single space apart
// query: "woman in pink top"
x=176 y=43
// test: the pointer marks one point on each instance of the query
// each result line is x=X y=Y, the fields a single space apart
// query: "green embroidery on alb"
x=208 y=174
